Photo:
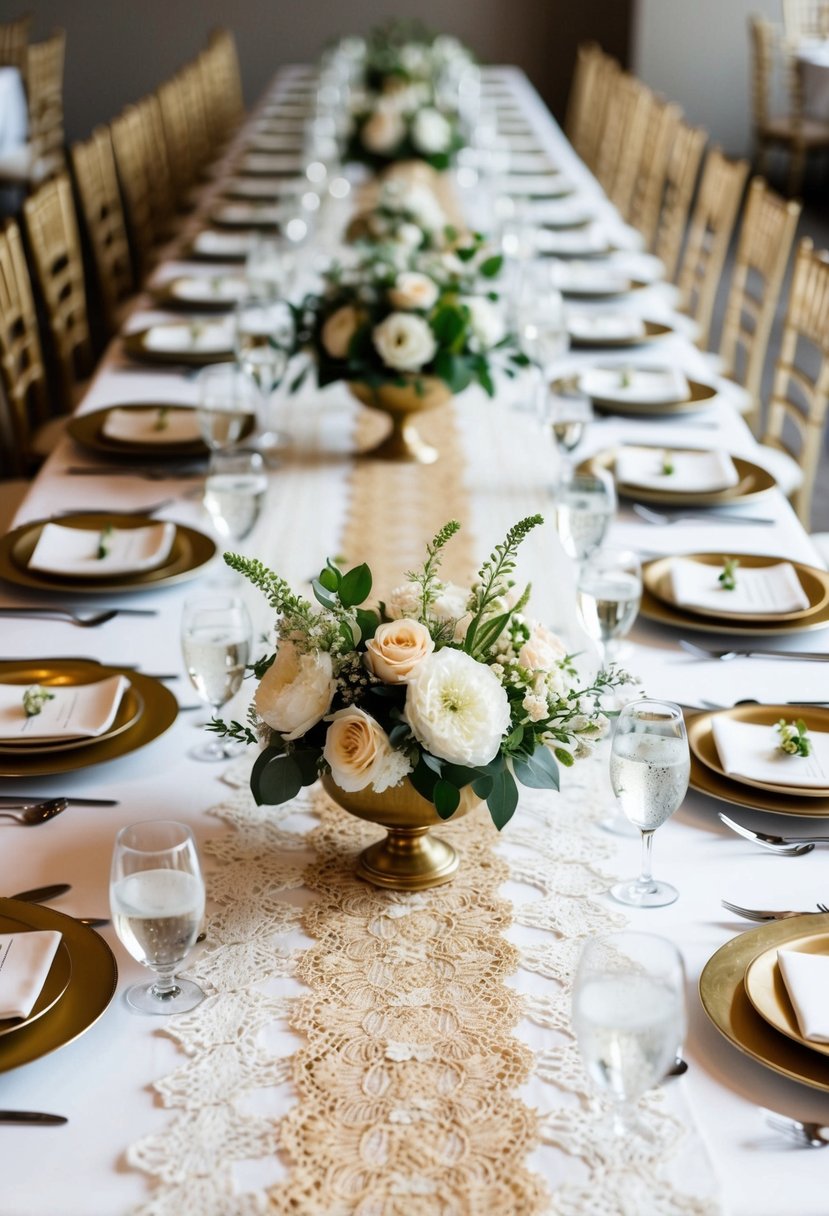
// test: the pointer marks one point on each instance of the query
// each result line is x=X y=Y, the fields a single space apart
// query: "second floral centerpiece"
x=417 y=709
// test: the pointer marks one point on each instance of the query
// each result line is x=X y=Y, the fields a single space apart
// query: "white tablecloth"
x=101 y=1082
x=14 y=116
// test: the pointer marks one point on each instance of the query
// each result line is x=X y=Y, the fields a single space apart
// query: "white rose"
x=413 y=57
x=383 y=131
x=430 y=131
x=542 y=651
x=404 y=342
x=338 y=331
x=396 y=649
x=485 y=320
x=296 y=691
x=359 y=754
x=409 y=235
x=457 y=708
x=413 y=290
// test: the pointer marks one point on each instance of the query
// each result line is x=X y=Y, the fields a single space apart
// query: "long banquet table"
x=216 y=1151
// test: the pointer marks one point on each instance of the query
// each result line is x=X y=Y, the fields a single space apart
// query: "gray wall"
x=119 y=49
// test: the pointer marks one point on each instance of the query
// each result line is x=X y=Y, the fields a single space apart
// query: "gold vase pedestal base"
x=408 y=858
x=399 y=401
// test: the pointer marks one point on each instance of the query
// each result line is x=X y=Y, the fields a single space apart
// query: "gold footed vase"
x=409 y=858
x=400 y=402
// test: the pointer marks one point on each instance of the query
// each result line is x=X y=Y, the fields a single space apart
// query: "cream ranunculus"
x=413 y=290
x=430 y=131
x=404 y=342
x=359 y=754
x=457 y=708
x=543 y=650
x=296 y=691
x=383 y=131
x=396 y=649
x=405 y=600
x=338 y=331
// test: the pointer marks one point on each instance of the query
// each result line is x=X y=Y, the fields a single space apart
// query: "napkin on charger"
x=572 y=242
x=605 y=327
x=73 y=552
x=227 y=244
x=806 y=977
x=764 y=590
x=25 y=959
x=590 y=278
x=74 y=711
x=637 y=385
x=692 y=472
x=139 y=425
x=204 y=337
x=749 y=749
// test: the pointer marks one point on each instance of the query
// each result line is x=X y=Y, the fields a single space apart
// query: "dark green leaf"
x=503 y=798
x=275 y=777
x=491 y=266
x=484 y=637
x=367 y=620
x=538 y=771
x=329 y=579
x=432 y=762
x=307 y=761
x=424 y=781
x=482 y=786
x=446 y=798
x=564 y=757
x=323 y=596
x=355 y=586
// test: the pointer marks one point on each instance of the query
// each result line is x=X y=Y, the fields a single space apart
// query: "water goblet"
x=649 y=770
x=234 y=492
x=629 y=1019
x=156 y=894
x=227 y=402
x=216 y=642
x=567 y=413
x=608 y=593
x=584 y=506
x=264 y=337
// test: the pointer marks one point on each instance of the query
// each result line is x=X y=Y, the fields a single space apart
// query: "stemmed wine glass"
x=608 y=593
x=629 y=1018
x=227 y=402
x=234 y=492
x=540 y=321
x=649 y=770
x=264 y=335
x=216 y=641
x=156 y=893
x=567 y=414
x=584 y=505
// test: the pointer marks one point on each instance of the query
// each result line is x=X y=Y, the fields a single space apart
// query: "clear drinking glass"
x=216 y=642
x=608 y=594
x=156 y=893
x=227 y=403
x=234 y=492
x=566 y=414
x=263 y=343
x=649 y=770
x=629 y=1018
x=584 y=504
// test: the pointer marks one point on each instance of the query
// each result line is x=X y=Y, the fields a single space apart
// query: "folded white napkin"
x=74 y=551
x=76 y=711
x=273 y=162
x=208 y=288
x=572 y=242
x=25 y=959
x=139 y=425
x=605 y=326
x=247 y=213
x=222 y=244
x=693 y=472
x=541 y=185
x=638 y=385
x=806 y=977
x=275 y=141
x=256 y=187
x=764 y=590
x=529 y=162
x=589 y=279
x=748 y=750
x=206 y=338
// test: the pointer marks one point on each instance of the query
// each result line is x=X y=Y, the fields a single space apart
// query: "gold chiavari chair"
x=580 y=98
x=44 y=153
x=605 y=79
x=649 y=186
x=96 y=180
x=709 y=232
x=14 y=41
x=805 y=19
x=25 y=396
x=52 y=231
x=183 y=165
x=128 y=146
x=227 y=78
x=619 y=159
x=680 y=178
x=794 y=131
x=161 y=191
x=195 y=116
x=766 y=238
x=791 y=444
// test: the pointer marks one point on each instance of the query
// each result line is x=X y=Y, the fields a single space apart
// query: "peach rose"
x=396 y=649
x=296 y=691
x=542 y=650
x=338 y=331
x=358 y=752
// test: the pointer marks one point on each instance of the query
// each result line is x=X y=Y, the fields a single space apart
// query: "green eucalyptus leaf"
x=367 y=620
x=482 y=786
x=503 y=798
x=355 y=586
x=432 y=762
x=275 y=778
x=538 y=771
x=446 y=798
x=424 y=781
x=329 y=580
x=323 y=596
x=307 y=761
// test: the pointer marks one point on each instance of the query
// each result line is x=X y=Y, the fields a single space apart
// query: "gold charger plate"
x=53 y=989
x=814 y=582
x=135 y=346
x=160 y=712
x=725 y=1000
x=587 y=293
x=88 y=431
x=129 y=711
x=167 y=296
x=189 y=552
x=699 y=396
x=767 y=991
x=752 y=482
x=654 y=330
x=90 y=989
x=702 y=744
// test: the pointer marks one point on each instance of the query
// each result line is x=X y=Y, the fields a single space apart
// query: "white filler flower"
x=457 y=708
x=430 y=131
x=404 y=341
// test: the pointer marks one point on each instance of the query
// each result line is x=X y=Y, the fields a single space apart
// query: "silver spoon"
x=37 y=812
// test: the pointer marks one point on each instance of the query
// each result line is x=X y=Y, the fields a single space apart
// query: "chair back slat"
x=680 y=178
x=96 y=179
x=25 y=400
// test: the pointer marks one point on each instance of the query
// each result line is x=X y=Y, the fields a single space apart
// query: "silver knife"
x=45 y=610
x=14 y=800
x=39 y=895
x=31 y=1116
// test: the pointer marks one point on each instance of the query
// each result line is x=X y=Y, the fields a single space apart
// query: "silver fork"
x=710 y=517
x=764 y=914
x=86 y=620
x=778 y=844
x=807 y=1135
x=709 y=652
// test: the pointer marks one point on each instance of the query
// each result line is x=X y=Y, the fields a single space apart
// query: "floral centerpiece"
x=403 y=124
x=405 y=214
x=440 y=686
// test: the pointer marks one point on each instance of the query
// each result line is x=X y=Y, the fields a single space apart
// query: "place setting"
x=195 y=342
x=649 y=391
x=203 y=292
x=680 y=477
x=241 y=214
x=212 y=245
x=611 y=330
